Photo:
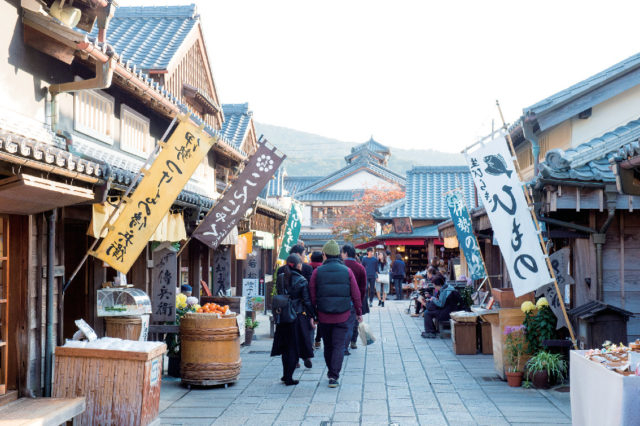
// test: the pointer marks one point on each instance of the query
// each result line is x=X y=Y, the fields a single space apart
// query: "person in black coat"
x=293 y=340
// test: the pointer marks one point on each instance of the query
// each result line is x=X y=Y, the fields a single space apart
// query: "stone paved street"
x=401 y=379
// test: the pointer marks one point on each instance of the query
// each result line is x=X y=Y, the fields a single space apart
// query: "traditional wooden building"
x=324 y=198
x=90 y=104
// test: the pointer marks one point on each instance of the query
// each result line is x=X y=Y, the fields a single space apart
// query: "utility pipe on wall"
x=48 y=348
x=527 y=131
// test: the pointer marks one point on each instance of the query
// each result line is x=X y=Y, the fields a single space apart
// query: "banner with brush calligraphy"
x=500 y=189
x=156 y=192
x=238 y=198
x=464 y=230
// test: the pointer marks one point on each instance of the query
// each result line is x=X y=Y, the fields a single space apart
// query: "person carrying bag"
x=295 y=319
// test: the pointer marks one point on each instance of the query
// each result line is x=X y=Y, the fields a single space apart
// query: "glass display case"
x=122 y=302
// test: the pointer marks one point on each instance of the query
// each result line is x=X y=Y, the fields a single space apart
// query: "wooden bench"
x=41 y=411
x=444 y=327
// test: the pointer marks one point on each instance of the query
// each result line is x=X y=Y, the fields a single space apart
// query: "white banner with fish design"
x=500 y=189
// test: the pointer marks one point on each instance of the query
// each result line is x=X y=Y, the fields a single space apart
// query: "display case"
x=123 y=302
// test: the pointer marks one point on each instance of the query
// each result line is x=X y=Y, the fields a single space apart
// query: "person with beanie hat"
x=333 y=291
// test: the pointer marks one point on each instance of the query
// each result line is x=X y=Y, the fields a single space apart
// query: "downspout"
x=600 y=238
x=102 y=80
x=48 y=349
x=527 y=131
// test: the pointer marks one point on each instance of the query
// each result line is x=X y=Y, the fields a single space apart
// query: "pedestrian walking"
x=382 y=279
x=333 y=289
x=398 y=272
x=348 y=254
x=307 y=269
x=293 y=340
x=370 y=264
x=316 y=260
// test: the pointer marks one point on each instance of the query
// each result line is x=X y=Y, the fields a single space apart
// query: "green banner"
x=292 y=232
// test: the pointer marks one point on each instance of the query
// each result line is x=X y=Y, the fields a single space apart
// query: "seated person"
x=424 y=292
x=447 y=301
x=186 y=289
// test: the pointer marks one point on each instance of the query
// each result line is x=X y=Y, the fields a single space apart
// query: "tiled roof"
x=360 y=163
x=296 y=184
x=590 y=161
x=150 y=36
x=311 y=238
x=430 y=231
x=275 y=186
x=369 y=148
x=237 y=121
x=425 y=190
x=620 y=71
x=344 y=195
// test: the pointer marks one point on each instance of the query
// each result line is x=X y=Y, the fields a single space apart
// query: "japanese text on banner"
x=154 y=195
x=464 y=230
x=238 y=198
x=292 y=231
x=501 y=192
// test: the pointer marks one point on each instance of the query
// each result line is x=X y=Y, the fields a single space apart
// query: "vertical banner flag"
x=155 y=194
x=236 y=200
x=292 y=231
x=164 y=281
x=467 y=240
x=502 y=194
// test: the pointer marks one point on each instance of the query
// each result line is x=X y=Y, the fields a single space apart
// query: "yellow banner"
x=155 y=194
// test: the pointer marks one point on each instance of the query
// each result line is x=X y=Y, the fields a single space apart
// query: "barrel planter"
x=126 y=328
x=209 y=349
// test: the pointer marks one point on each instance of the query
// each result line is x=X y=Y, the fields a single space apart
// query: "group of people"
x=329 y=294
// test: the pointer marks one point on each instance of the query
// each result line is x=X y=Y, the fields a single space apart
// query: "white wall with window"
x=134 y=133
x=93 y=114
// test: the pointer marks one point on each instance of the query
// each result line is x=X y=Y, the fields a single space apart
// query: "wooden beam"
x=621 y=230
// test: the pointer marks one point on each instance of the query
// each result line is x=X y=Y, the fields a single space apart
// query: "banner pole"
x=107 y=223
x=535 y=220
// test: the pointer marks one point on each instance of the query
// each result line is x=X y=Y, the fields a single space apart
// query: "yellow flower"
x=181 y=301
x=542 y=302
x=196 y=307
x=527 y=306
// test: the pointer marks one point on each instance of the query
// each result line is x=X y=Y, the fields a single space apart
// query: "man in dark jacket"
x=307 y=269
x=333 y=289
x=348 y=254
x=448 y=300
x=397 y=274
x=370 y=263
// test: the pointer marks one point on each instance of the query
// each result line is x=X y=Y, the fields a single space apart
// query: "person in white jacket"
x=382 y=279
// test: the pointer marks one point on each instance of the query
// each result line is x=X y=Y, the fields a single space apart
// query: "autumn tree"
x=356 y=224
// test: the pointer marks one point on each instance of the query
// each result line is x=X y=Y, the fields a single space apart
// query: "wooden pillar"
x=98 y=276
x=206 y=264
x=195 y=263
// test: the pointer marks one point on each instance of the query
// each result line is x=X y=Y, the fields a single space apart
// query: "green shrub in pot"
x=545 y=367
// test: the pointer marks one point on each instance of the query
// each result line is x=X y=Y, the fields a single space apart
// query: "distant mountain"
x=309 y=154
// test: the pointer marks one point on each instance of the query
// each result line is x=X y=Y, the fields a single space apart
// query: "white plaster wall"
x=306 y=215
x=360 y=180
x=607 y=116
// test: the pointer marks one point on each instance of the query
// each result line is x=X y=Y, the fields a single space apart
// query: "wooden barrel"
x=209 y=349
x=127 y=328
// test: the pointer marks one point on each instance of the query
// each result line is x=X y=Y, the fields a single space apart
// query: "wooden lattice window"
x=134 y=133
x=93 y=114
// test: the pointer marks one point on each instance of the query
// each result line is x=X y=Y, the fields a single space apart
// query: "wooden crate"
x=507 y=299
x=120 y=387
x=486 y=344
x=463 y=335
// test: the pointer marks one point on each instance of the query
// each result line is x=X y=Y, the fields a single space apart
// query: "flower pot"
x=174 y=366
x=514 y=379
x=540 y=380
x=248 y=336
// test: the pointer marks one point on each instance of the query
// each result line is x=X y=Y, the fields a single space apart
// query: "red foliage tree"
x=356 y=225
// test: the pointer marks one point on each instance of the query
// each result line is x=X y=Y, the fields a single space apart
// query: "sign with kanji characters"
x=560 y=264
x=238 y=198
x=464 y=230
x=501 y=191
x=156 y=192
x=164 y=281
x=251 y=292
x=221 y=270
x=292 y=231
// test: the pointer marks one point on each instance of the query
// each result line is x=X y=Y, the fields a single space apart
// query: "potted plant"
x=514 y=349
x=249 y=327
x=545 y=367
x=540 y=324
x=184 y=304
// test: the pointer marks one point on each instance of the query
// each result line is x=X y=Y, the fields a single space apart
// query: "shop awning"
x=405 y=242
x=368 y=244
x=24 y=194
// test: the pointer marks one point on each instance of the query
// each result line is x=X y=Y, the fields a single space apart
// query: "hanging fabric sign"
x=155 y=194
x=467 y=240
x=500 y=189
x=237 y=199
x=560 y=264
x=292 y=231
